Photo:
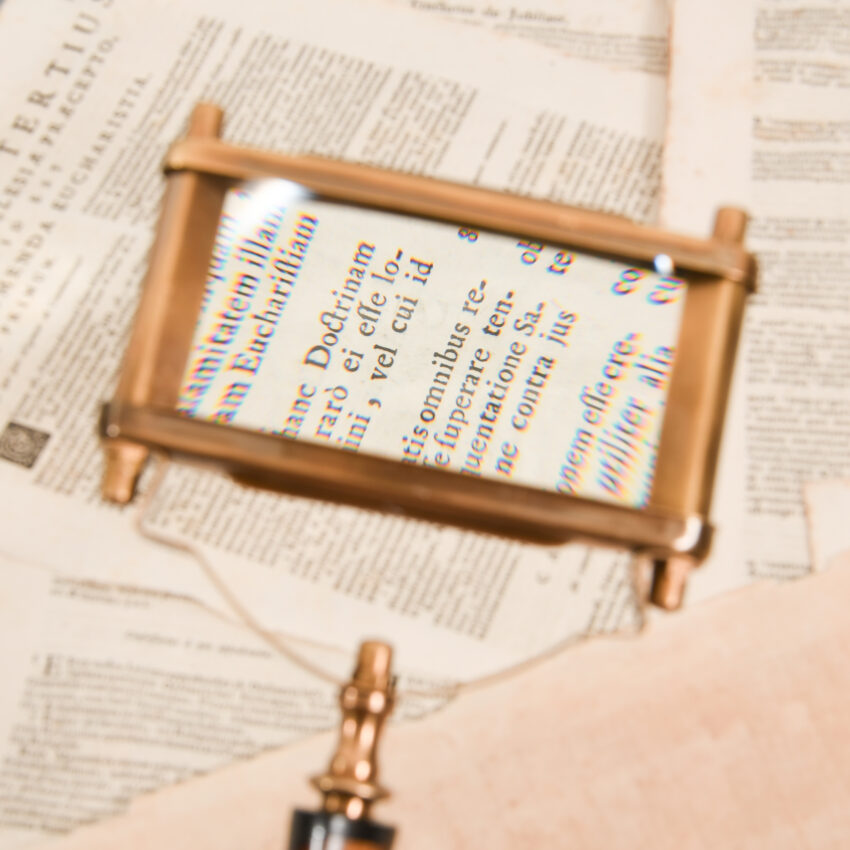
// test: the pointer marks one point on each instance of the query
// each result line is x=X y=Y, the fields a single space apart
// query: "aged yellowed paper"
x=99 y=92
x=762 y=123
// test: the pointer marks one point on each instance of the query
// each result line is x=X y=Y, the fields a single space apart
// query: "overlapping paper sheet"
x=112 y=690
x=121 y=673
x=762 y=123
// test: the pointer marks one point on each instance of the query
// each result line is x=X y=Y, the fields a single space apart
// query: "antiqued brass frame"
x=673 y=528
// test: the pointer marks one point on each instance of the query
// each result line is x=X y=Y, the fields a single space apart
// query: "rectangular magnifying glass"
x=397 y=342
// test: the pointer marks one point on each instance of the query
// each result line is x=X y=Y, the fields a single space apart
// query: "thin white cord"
x=279 y=645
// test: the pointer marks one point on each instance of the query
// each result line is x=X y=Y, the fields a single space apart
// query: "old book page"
x=763 y=124
x=100 y=91
x=110 y=691
x=80 y=160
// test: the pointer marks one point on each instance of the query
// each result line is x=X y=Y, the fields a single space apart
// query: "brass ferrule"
x=350 y=785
